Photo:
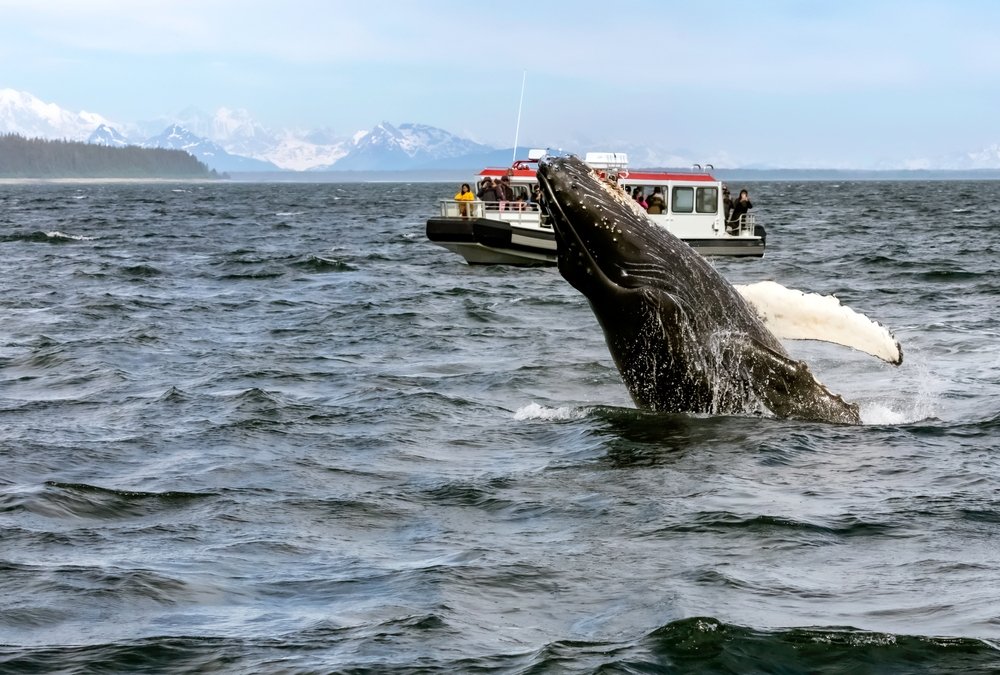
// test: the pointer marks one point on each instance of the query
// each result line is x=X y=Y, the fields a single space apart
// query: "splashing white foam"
x=879 y=414
x=62 y=235
x=898 y=411
x=534 y=411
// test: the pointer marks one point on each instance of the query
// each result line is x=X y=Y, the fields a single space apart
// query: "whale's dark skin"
x=684 y=340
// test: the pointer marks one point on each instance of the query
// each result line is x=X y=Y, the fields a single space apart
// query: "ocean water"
x=269 y=428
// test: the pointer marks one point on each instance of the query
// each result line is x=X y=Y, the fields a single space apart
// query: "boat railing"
x=509 y=211
x=745 y=226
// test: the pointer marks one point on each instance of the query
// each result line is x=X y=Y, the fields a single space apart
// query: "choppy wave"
x=53 y=237
x=62 y=500
x=271 y=428
x=322 y=264
x=692 y=645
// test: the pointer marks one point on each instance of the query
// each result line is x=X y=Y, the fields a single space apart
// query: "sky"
x=840 y=84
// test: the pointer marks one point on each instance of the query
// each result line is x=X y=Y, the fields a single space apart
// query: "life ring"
x=623 y=173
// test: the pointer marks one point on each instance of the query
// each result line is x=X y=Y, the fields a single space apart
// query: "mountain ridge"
x=232 y=140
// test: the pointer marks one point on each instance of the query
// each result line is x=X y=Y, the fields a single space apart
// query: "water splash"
x=534 y=411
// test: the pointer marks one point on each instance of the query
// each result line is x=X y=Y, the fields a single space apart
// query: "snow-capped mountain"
x=296 y=152
x=238 y=133
x=176 y=137
x=987 y=158
x=26 y=114
x=232 y=140
x=105 y=135
x=235 y=130
x=385 y=147
x=408 y=146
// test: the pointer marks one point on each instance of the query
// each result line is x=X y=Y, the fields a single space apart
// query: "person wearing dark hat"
x=505 y=193
x=488 y=193
x=740 y=207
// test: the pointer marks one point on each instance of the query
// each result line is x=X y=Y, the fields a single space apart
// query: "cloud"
x=867 y=73
x=770 y=45
x=304 y=30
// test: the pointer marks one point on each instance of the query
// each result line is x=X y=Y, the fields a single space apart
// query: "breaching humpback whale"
x=684 y=339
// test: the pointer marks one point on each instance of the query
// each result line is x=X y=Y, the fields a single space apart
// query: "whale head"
x=600 y=231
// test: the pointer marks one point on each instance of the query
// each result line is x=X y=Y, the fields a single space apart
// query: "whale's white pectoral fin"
x=794 y=315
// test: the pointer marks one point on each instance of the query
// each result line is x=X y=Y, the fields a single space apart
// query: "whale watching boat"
x=518 y=231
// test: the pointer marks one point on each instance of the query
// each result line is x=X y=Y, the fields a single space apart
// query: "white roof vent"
x=607 y=160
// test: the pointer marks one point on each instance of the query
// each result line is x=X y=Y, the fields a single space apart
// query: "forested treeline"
x=22 y=157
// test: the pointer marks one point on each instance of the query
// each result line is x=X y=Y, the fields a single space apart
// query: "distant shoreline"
x=858 y=174
x=83 y=181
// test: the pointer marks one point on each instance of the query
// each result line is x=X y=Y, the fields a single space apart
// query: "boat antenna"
x=517 y=129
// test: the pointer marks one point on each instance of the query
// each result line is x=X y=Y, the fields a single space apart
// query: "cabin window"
x=633 y=190
x=708 y=200
x=682 y=200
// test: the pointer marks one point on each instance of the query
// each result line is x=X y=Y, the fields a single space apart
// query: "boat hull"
x=483 y=241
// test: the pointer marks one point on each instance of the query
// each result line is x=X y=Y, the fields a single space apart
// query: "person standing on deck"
x=488 y=193
x=740 y=207
x=463 y=198
x=505 y=193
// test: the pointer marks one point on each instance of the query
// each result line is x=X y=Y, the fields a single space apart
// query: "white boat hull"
x=483 y=241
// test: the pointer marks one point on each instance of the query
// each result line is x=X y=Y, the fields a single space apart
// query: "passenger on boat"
x=463 y=198
x=727 y=201
x=488 y=193
x=538 y=200
x=505 y=193
x=740 y=207
x=656 y=203
x=640 y=197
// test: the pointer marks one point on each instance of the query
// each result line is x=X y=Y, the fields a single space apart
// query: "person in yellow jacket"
x=464 y=195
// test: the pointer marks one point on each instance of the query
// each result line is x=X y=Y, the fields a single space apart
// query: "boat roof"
x=519 y=171
x=640 y=176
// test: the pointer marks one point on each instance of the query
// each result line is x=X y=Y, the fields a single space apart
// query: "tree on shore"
x=22 y=157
